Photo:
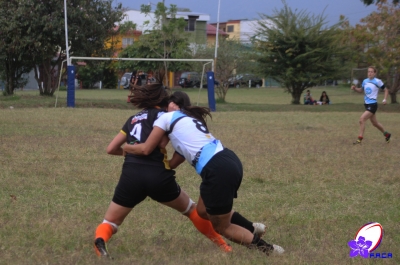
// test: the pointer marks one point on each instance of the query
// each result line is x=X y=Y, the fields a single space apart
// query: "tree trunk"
x=393 y=97
x=9 y=86
x=46 y=76
x=296 y=96
x=167 y=83
x=221 y=92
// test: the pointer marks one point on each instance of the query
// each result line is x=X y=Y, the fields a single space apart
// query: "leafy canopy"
x=166 y=40
x=370 y=2
x=376 y=41
x=37 y=27
x=297 y=49
x=233 y=58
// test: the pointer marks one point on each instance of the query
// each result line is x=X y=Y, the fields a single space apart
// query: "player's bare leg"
x=363 y=119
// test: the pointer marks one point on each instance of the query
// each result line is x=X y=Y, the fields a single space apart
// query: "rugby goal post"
x=71 y=75
x=358 y=75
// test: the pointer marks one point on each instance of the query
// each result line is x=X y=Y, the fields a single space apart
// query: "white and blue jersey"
x=190 y=138
x=371 y=88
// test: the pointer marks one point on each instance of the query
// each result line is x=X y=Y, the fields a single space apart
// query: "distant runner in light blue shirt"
x=371 y=87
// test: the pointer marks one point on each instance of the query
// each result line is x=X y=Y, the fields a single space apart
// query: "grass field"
x=302 y=177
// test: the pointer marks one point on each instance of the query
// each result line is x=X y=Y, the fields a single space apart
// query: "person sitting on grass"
x=308 y=100
x=324 y=99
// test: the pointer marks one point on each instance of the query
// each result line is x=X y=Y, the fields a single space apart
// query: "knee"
x=219 y=227
x=189 y=208
x=374 y=123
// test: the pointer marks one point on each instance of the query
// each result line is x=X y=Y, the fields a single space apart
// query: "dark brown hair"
x=372 y=67
x=183 y=101
x=148 y=96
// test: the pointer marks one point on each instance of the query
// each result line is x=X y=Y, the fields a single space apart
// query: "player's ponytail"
x=149 y=96
x=183 y=101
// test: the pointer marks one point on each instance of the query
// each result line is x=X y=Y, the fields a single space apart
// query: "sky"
x=354 y=10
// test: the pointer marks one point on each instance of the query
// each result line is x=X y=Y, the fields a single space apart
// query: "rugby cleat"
x=226 y=248
x=259 y=229
x=387 y=138
x=100 y=247
x=278 y=249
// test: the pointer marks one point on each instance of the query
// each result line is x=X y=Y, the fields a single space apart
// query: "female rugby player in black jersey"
x=149 y=175
x=220 y=169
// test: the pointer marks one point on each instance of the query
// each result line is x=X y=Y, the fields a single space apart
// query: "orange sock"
x=104 y=231
x=205 y=227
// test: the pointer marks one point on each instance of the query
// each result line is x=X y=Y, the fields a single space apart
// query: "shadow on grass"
x=36 y=101
x=343 y=107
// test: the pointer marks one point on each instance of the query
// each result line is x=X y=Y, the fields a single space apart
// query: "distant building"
x=212 y=35
x=121 y=41
x=240 y=29
x=196 y=23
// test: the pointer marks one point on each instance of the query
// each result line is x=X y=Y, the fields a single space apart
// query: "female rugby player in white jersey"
x=220 y=169
x=149 y=175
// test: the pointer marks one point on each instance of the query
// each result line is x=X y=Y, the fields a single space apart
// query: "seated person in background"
x=308 y=100
x=324 y=99
x=134 y=79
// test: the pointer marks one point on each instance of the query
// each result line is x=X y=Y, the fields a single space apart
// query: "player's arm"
x=164 y=141
x=176 y=160
x=151 y=143
x=359 y=90
x=386 y=95
x=114 y=147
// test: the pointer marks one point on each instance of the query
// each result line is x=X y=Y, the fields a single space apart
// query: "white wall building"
x=139 y=19
x=248 y=29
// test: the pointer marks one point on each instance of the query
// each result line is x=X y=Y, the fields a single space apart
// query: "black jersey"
x=137 y=129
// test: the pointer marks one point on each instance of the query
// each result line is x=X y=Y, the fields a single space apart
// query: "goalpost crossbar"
x=71 y=102
x=143 y=59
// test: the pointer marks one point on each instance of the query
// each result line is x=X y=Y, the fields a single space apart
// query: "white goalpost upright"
x=357 y=75
x=206 y=61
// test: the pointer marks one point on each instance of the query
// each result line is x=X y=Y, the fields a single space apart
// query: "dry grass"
x=303 y=178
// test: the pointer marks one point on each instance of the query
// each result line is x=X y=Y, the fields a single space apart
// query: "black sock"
x=261 y=245
x=239 y=220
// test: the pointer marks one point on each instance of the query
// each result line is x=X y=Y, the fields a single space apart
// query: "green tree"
x=139 y=49
x=232 y=57
x=376 y=41
x=90 y=24
x=370 y=2
x=167 y=39
x=297 y=49
x=15 y=57
x=98 y=71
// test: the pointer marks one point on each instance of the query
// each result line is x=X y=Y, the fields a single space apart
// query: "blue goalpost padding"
x=71 y=86
x=210 y=89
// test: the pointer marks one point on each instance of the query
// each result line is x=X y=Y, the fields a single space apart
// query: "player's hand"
x=384 y=101
x=353 y=87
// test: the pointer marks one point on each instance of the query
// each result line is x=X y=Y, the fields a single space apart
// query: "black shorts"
x=371 y=107
x=221 y=179
x=138 y=181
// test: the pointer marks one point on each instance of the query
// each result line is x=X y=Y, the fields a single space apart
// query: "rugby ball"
x=372 y=232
